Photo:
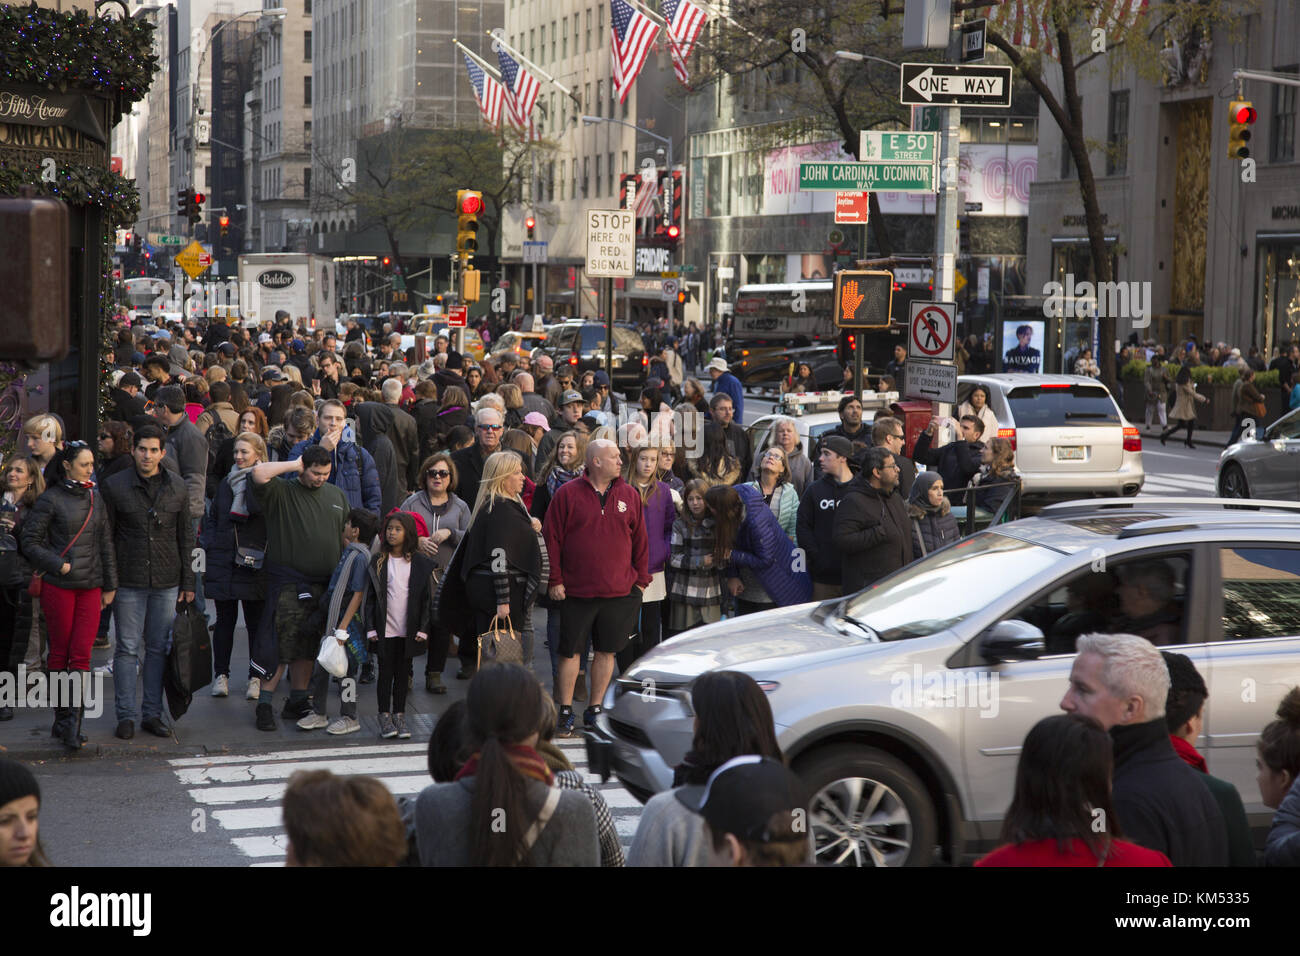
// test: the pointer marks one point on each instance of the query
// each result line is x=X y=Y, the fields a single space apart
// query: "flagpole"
x=650 y=13
x=492 y=71
x=537 y=69
x=718 y=12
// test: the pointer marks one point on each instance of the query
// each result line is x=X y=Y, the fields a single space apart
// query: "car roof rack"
x=802 y=403
x=1086 y=506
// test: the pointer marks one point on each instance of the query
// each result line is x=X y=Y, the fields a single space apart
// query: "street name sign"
x=611 y=243
x=943 y=84
x=898 y=147
x=867 y=177
x=930 y=381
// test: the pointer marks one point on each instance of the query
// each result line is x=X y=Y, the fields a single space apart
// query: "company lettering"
x=275 y=279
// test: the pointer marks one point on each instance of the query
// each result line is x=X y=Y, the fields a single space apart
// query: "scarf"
x=560 y=475
x=73 y=484
x=1188 y=753
x=238 y=479
x=526 y=760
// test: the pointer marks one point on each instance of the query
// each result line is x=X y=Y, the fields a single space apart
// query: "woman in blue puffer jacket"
x=759 y=555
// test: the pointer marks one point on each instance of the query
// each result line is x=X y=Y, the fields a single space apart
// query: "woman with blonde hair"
x=513 y=397
x=496 y=572
x=292 y=374
x=22 y=484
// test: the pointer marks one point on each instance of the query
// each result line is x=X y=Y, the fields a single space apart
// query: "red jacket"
x=596 y=552
x=1045 y=853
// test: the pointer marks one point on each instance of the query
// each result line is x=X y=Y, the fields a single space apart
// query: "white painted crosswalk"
x=241 y=794
x=1178 y=486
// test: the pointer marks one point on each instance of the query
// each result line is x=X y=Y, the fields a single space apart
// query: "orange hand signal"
x=851 y=299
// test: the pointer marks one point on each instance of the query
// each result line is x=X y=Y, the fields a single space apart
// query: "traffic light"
x=137 y=244
x=469 y=203
x=224 y=223
x=469 y=285
x=1241 y=117
x=196 y=207
x=529 y=225
x=386 y=263
x=183 y=203
x=681 y=297
x=863 y=299
x=670 y=190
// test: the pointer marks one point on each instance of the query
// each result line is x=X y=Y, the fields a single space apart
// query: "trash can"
x=915 y=417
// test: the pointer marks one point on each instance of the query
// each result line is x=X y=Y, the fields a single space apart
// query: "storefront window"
x=1278 y=316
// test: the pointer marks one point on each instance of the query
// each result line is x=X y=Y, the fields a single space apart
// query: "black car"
x=757 y=368
x=581 y=346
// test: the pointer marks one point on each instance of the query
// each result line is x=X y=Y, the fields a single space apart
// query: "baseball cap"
x=538 y=419
x=163 y=334
x=569 y=397
x=299 y=345
x=227 y=348
x=744 y=794
x=839 y=445
x=265 y=339
x=272 y=373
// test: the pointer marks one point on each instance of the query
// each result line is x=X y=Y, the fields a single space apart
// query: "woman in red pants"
x=68 y=539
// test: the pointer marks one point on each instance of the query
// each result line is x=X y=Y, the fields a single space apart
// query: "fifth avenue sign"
x=939 y=84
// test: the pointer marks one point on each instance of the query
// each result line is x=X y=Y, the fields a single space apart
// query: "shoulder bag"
x=543 y=817
x=34 y=585
x=250 y=558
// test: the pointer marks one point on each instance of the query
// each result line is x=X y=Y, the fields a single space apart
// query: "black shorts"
x=609 y=622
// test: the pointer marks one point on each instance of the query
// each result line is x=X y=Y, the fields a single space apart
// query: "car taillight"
x=573 y=358
x=645 y=360
x=1132 y=439
x=1009 y=434
x=1056 y=385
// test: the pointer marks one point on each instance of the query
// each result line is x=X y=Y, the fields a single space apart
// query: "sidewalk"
x=224 y=725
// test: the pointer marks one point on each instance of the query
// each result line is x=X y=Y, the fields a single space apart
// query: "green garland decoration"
x=79 y=52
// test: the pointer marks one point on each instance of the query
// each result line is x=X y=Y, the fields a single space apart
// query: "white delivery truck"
x=299 y=283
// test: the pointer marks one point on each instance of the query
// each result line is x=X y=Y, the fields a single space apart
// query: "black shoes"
x=589 y=716
x=155 y=726
x=367 y=675
x=266 y=717
x=296 y=709
x=432 y=683
x=467 y=671
x=125 y=730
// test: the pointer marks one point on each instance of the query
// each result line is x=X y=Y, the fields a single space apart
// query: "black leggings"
x=394 y=671
x=15 y=627
x=1188 y=423
x=223 y=636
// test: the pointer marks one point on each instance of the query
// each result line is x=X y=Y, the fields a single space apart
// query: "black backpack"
x=217 y=435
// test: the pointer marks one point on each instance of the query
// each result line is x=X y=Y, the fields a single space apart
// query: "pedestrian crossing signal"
x=1241 y=117
x=863 y=299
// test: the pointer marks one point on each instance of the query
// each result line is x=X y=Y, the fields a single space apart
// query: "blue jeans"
x=141 y=613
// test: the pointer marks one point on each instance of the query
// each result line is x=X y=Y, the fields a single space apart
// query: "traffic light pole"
x=945 y=238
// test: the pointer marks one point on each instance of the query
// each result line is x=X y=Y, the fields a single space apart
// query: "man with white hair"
x=1122 y=682
x=532 y=401
x=596 y=538
x=488 y=428
x=404 y=435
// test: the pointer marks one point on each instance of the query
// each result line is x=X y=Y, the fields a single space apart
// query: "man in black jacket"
x=887 y=433
x=871 y=529
x=128 y=404
x=850 y=425
x=815 y=526
x=488 y=428
x=154 y=538
x=959 y=461
x=1122 y=682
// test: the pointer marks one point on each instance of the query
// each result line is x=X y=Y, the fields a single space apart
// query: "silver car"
x=904 y=706
x=1264 y=464
x=1069 y=436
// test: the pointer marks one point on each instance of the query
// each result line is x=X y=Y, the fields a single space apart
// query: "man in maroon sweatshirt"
x=596 y=541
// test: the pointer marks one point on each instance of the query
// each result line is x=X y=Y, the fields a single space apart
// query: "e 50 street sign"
x=898 y=147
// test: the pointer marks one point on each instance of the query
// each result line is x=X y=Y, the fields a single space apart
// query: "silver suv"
x=904 y=706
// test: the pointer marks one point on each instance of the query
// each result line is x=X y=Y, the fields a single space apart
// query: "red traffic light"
x=1245 y=114
x=471 y=205
x=674 y=232
x=530 y=222
x=200 y=198
x=224 y=221
x=387 y=262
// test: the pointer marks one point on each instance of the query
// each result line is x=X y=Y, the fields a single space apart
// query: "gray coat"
x=453 y=517
x=187 y=445
x=442 y=824
x=669 y=834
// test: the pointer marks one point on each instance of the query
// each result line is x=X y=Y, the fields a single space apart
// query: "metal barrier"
x=1009 y=510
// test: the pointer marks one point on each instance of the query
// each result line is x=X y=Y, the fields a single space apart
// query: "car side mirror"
x=1012 y=641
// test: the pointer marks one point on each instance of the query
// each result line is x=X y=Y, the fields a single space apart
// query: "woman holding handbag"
x=235 y=545
x=23 y=484
x=495 y=573
x=1248 y=405
x=68 y=539
x=504 y=779
x=398 y=615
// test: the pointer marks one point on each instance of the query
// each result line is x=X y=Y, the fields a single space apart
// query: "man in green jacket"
x=1183 y=709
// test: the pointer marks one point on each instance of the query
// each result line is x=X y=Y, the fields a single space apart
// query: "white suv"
x=1069 y=435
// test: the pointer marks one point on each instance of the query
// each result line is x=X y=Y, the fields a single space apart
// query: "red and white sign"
x=456 y=316
x=205 y=258
x=931 y=336
x=851 y=208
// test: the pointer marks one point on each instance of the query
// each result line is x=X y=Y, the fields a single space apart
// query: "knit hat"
x=601 y=378
x=455 y=360
x=16 y=782
x=298 y=345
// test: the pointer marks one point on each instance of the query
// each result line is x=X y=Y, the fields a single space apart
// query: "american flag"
x=1027 y=22
x=685 y=21
x=487 y=90
x=647 y=191
x=632 y=37
x=521 y=90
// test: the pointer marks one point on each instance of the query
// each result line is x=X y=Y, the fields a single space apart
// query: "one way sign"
x=939 y=84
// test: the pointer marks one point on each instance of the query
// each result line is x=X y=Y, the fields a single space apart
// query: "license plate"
x=1070 y=452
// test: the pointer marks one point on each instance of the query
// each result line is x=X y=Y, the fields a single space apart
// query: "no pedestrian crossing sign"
x=931 y=331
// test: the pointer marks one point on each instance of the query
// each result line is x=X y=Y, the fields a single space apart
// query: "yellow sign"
x=194 y=259
x=958 y=282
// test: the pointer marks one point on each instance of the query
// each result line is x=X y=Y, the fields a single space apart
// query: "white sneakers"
x=313 y=722
x=344 y=725
x=254 y=689
x=221 y=686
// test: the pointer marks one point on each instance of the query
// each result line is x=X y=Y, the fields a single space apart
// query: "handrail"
x=1003 y=509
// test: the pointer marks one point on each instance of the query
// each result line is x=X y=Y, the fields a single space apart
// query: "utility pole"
x=945 y=233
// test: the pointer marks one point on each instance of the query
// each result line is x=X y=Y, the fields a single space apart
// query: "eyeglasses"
x=437 y=473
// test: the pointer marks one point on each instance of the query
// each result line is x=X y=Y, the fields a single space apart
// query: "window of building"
x=363 y=67
x=562 y=165
x=553 y=37
x=306 y=7
x=306 y=182
x=573 y=182
x=306 y=91
x=306 y=46
x=586 y=96
x=1117 y=134
x=541 y=46
x=531 y=46
x=587 y=42
x=586 y=175
x=564 y=39
x=306 y=133
x=609 y=163
x=1281 y=144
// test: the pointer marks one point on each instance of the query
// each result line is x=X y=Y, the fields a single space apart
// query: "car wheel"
x=868 y=809
x=1233 y=482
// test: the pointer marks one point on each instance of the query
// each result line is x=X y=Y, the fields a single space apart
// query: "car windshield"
x=941 y=591
x=1036 y=407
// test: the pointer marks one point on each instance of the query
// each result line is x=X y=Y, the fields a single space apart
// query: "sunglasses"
x=437 y=473
x=490 y=428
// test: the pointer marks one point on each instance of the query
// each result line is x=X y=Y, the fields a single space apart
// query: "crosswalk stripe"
x=258 y=818
x=247 y=773
x=299 y=754
x=276 y=845
x=264 y=792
